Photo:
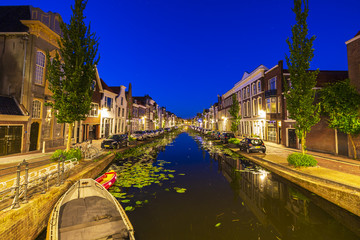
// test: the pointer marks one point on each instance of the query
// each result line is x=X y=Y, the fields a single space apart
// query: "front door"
x=292 y=138
x=10 y=139
x=34 y=134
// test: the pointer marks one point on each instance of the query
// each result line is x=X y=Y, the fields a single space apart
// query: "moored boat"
x=88 y=211
x=107 y=179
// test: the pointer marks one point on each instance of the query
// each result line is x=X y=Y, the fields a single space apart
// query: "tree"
x=340 y=101
x=72 y=72
x=300 y=94
x=156 y=117
x=234 y=113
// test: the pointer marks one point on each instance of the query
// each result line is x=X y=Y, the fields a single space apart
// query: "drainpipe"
x=25 y=38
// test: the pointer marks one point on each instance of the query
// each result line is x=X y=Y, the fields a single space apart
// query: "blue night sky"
x=183 y=53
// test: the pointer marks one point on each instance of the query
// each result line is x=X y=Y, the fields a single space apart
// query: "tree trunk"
x=303 y=144
x=69 y=137
x=353 y=145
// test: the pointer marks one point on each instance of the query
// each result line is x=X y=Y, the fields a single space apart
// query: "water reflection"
x=280 y=206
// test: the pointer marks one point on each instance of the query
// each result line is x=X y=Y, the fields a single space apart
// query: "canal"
x=188 y=189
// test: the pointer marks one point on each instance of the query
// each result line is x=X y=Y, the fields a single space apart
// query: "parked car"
x=139 y=135
x=216 y=135
x=115 y=141
x=252 y=145
x=224 y=137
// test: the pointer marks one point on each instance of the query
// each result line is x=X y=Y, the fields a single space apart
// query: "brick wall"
x=31 y=219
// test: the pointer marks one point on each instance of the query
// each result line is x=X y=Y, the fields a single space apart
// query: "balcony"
x=270 y=93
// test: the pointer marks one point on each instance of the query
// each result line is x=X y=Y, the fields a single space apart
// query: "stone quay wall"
x=28 y=221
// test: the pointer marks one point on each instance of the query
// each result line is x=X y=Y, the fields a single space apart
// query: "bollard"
x=26 y=180
x=43 y=150
x=17 y=188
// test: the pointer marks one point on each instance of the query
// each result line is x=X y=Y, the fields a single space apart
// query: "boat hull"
x=88 y=211
x=107 y=179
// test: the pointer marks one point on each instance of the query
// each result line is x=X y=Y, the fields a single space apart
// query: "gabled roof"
x=9 y=106
x=115 y=89
x=105 y=86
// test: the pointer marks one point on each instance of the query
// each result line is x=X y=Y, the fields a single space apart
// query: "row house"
x=353 y=55
x=26 y=122
x=107 y=115
x=138 y=116
x=264 y=114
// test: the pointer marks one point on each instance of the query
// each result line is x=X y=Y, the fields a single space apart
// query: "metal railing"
x=29 y=182
x=88 y=151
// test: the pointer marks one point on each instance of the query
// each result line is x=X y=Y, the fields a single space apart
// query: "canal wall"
x=28 y=221
x=347 y=197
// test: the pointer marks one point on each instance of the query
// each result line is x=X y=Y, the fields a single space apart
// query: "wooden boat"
x=88 y=211
x=107 y=179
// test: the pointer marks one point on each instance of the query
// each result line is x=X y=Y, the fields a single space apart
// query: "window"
x=47 y=123
x=123 y=112
x=279 y=104
x=94 y=111
x=244 y=93
x=248 y=92
x=259 y=104
x=259 y=86
x=254 y=89
x=255 y=112
x=248 y=108
x=271 y=105
x=36 y=109
x=108 y=102
x=272 y=83
x=39 y=70
x=122 y=101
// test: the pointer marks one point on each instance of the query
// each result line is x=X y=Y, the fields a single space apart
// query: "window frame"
x=40 y=65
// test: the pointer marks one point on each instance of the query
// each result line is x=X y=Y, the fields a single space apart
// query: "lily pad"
x=129 y=208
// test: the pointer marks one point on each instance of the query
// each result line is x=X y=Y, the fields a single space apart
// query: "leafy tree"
x=71 y=73
x=234 y=113
x=341 y=102
x=300 y=94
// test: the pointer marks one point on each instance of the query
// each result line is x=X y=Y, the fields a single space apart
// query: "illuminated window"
x=40 y=66
x=94 y=111
x=254 y=107
x=36 y=109
x=271 y=105
x=279 y=104
x=259 y=104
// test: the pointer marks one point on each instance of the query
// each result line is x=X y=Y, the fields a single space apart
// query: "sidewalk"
x=333 y=169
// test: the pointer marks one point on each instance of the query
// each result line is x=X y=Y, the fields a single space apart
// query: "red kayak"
x=107 y=179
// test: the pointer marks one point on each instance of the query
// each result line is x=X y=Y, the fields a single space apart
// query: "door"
x=292 y=138
x=10 y=139
x=34 y=134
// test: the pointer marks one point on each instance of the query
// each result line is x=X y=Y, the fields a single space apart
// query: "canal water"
x=190 y=190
